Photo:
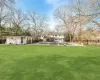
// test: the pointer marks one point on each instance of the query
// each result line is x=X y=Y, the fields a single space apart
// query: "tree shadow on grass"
x=55 y=68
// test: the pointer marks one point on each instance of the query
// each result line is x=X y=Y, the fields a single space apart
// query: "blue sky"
x=39 y=6
x=43 y=7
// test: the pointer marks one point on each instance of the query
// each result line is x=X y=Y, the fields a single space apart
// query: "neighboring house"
x=18 y=39
x=58 y=37
x=42 y=38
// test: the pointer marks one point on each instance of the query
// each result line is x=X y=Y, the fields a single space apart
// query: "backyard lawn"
x=38 y=62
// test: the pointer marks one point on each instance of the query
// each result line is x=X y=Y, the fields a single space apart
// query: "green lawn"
x=34 y=62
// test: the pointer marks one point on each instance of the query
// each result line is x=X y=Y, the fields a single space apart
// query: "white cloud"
x=55 y=4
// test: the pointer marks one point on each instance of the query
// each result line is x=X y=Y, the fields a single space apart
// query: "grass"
x=34 y=62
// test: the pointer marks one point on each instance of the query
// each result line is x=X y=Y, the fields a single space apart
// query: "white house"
x=18 y=39
x=58 y=37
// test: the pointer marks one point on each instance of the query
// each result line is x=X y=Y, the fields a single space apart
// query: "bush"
x=50 y=40
x=28 y=41
x=2 y=41
x=37 y=40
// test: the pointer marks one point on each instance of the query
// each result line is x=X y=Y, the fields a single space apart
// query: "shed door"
x=21 y=39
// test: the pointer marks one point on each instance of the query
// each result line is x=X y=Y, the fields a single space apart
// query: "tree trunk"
x=70 y=38
x=0 y=26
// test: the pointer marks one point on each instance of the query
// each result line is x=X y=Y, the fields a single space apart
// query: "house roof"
x=16 y=36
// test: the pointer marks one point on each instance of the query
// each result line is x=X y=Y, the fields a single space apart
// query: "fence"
x=88 y=42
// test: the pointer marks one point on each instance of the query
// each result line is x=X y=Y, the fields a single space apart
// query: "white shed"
x=18 y=39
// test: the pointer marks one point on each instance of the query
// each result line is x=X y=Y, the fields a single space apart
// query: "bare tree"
x=37 y=23
x=5 y=7
x=17 y=20
x=91 y=11
x=64 y=15
x=74 y=18
x=87 y=12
